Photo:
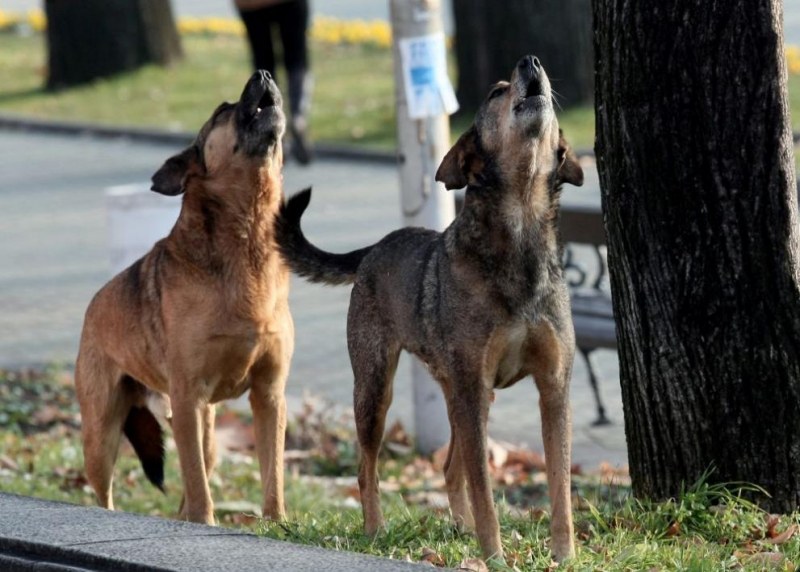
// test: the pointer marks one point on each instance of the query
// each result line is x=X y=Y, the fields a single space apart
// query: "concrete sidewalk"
x=37 y=535
x=53 y=256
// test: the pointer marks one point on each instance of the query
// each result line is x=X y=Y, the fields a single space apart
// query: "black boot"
x=300 y=84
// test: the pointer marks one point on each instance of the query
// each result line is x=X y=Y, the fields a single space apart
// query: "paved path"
x=53 y=256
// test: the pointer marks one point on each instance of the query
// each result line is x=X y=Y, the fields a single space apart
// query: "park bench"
x=592 y=314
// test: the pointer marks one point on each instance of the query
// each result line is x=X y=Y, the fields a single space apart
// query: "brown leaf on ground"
x=439 y=457
x=474 y=565
x=234 y=434
x=8 y=463
x=516 y=538
x=46 y=415
x=430 y=556
x=397 y=434
x=783 y=536
x=498 y=453
x=526 y=459
x=772 y=524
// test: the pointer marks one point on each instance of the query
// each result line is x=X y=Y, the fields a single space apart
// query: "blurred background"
x=151 y=71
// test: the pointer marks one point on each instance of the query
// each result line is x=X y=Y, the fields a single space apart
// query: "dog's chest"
x=513 y=355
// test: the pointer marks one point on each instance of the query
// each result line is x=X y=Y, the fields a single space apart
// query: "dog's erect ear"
x=462 y=165
x=569 y=169
x=170 y=178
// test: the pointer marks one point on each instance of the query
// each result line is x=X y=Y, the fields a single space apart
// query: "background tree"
x=694 y=149
x=491 y=36
x=88 y=39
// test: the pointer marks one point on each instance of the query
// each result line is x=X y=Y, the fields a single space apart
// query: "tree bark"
x=491 y=37
x=90 y=39
x=694 y=150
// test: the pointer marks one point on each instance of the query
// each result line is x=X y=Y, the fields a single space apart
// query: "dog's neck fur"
x=237 y=234
x=511 y=232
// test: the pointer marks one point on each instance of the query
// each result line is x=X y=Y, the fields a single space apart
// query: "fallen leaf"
x=397 y=434
x=527 y=459
x=516 y=538
x=474 y=565
x=8 y=463
x=783 y=536
x=430 y=556
x=439 y=457
x=772 y=523
x=46 y=415
x=498 y=453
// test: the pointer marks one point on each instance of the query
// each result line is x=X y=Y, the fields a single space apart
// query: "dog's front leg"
x=269 y=417
x=553 y=385
x=187 y=421
x=470 y=410
x=209 y=449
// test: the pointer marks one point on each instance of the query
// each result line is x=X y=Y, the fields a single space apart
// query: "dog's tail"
x=306 y=259
x=147 y=438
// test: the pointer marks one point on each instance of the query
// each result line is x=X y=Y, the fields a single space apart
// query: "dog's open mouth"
x=259 y=94
x=533 y=94
x=266 y=101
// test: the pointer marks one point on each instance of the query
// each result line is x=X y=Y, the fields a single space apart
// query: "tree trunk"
x=89 y=39
x=694 y=149
x=491 y=37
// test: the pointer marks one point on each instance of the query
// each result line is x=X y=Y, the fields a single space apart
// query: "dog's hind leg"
x=457 y=485
x=374 y=363
x=209 y=439
x=104 y=405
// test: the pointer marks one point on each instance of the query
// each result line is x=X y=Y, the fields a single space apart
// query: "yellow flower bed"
x=793 y=59
x=324 y=29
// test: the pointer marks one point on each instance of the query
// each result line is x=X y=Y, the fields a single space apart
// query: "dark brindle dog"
x=200 y=318
x=483 y=304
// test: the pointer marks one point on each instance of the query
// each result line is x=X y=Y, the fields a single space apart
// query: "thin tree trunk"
x=694 y=149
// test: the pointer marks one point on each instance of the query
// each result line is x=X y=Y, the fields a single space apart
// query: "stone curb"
x=39 y=535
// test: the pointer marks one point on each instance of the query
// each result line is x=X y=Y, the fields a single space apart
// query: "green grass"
x=353 y=98
x=708 y=528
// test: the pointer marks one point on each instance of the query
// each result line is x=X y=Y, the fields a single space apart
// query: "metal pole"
x=421 y=143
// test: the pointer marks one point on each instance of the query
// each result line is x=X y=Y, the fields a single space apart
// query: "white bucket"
x=137 y=219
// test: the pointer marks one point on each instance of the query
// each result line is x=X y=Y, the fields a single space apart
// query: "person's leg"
x=258 y=24
x=293 y=25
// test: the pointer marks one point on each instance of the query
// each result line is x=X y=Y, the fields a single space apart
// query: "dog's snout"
x=264 y=75
x=530 y=65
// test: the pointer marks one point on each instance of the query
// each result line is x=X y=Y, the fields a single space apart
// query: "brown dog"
x=202 y=317
x=483 y=304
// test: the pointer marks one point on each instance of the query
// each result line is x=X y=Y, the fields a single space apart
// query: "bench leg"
x=601 y=410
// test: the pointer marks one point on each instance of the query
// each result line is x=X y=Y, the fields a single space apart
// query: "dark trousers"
x=291 y=19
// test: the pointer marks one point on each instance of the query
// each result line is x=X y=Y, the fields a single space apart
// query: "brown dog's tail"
x=145 y=434
x=306 y=259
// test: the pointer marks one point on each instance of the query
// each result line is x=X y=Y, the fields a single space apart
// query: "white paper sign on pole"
x=428 y=89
